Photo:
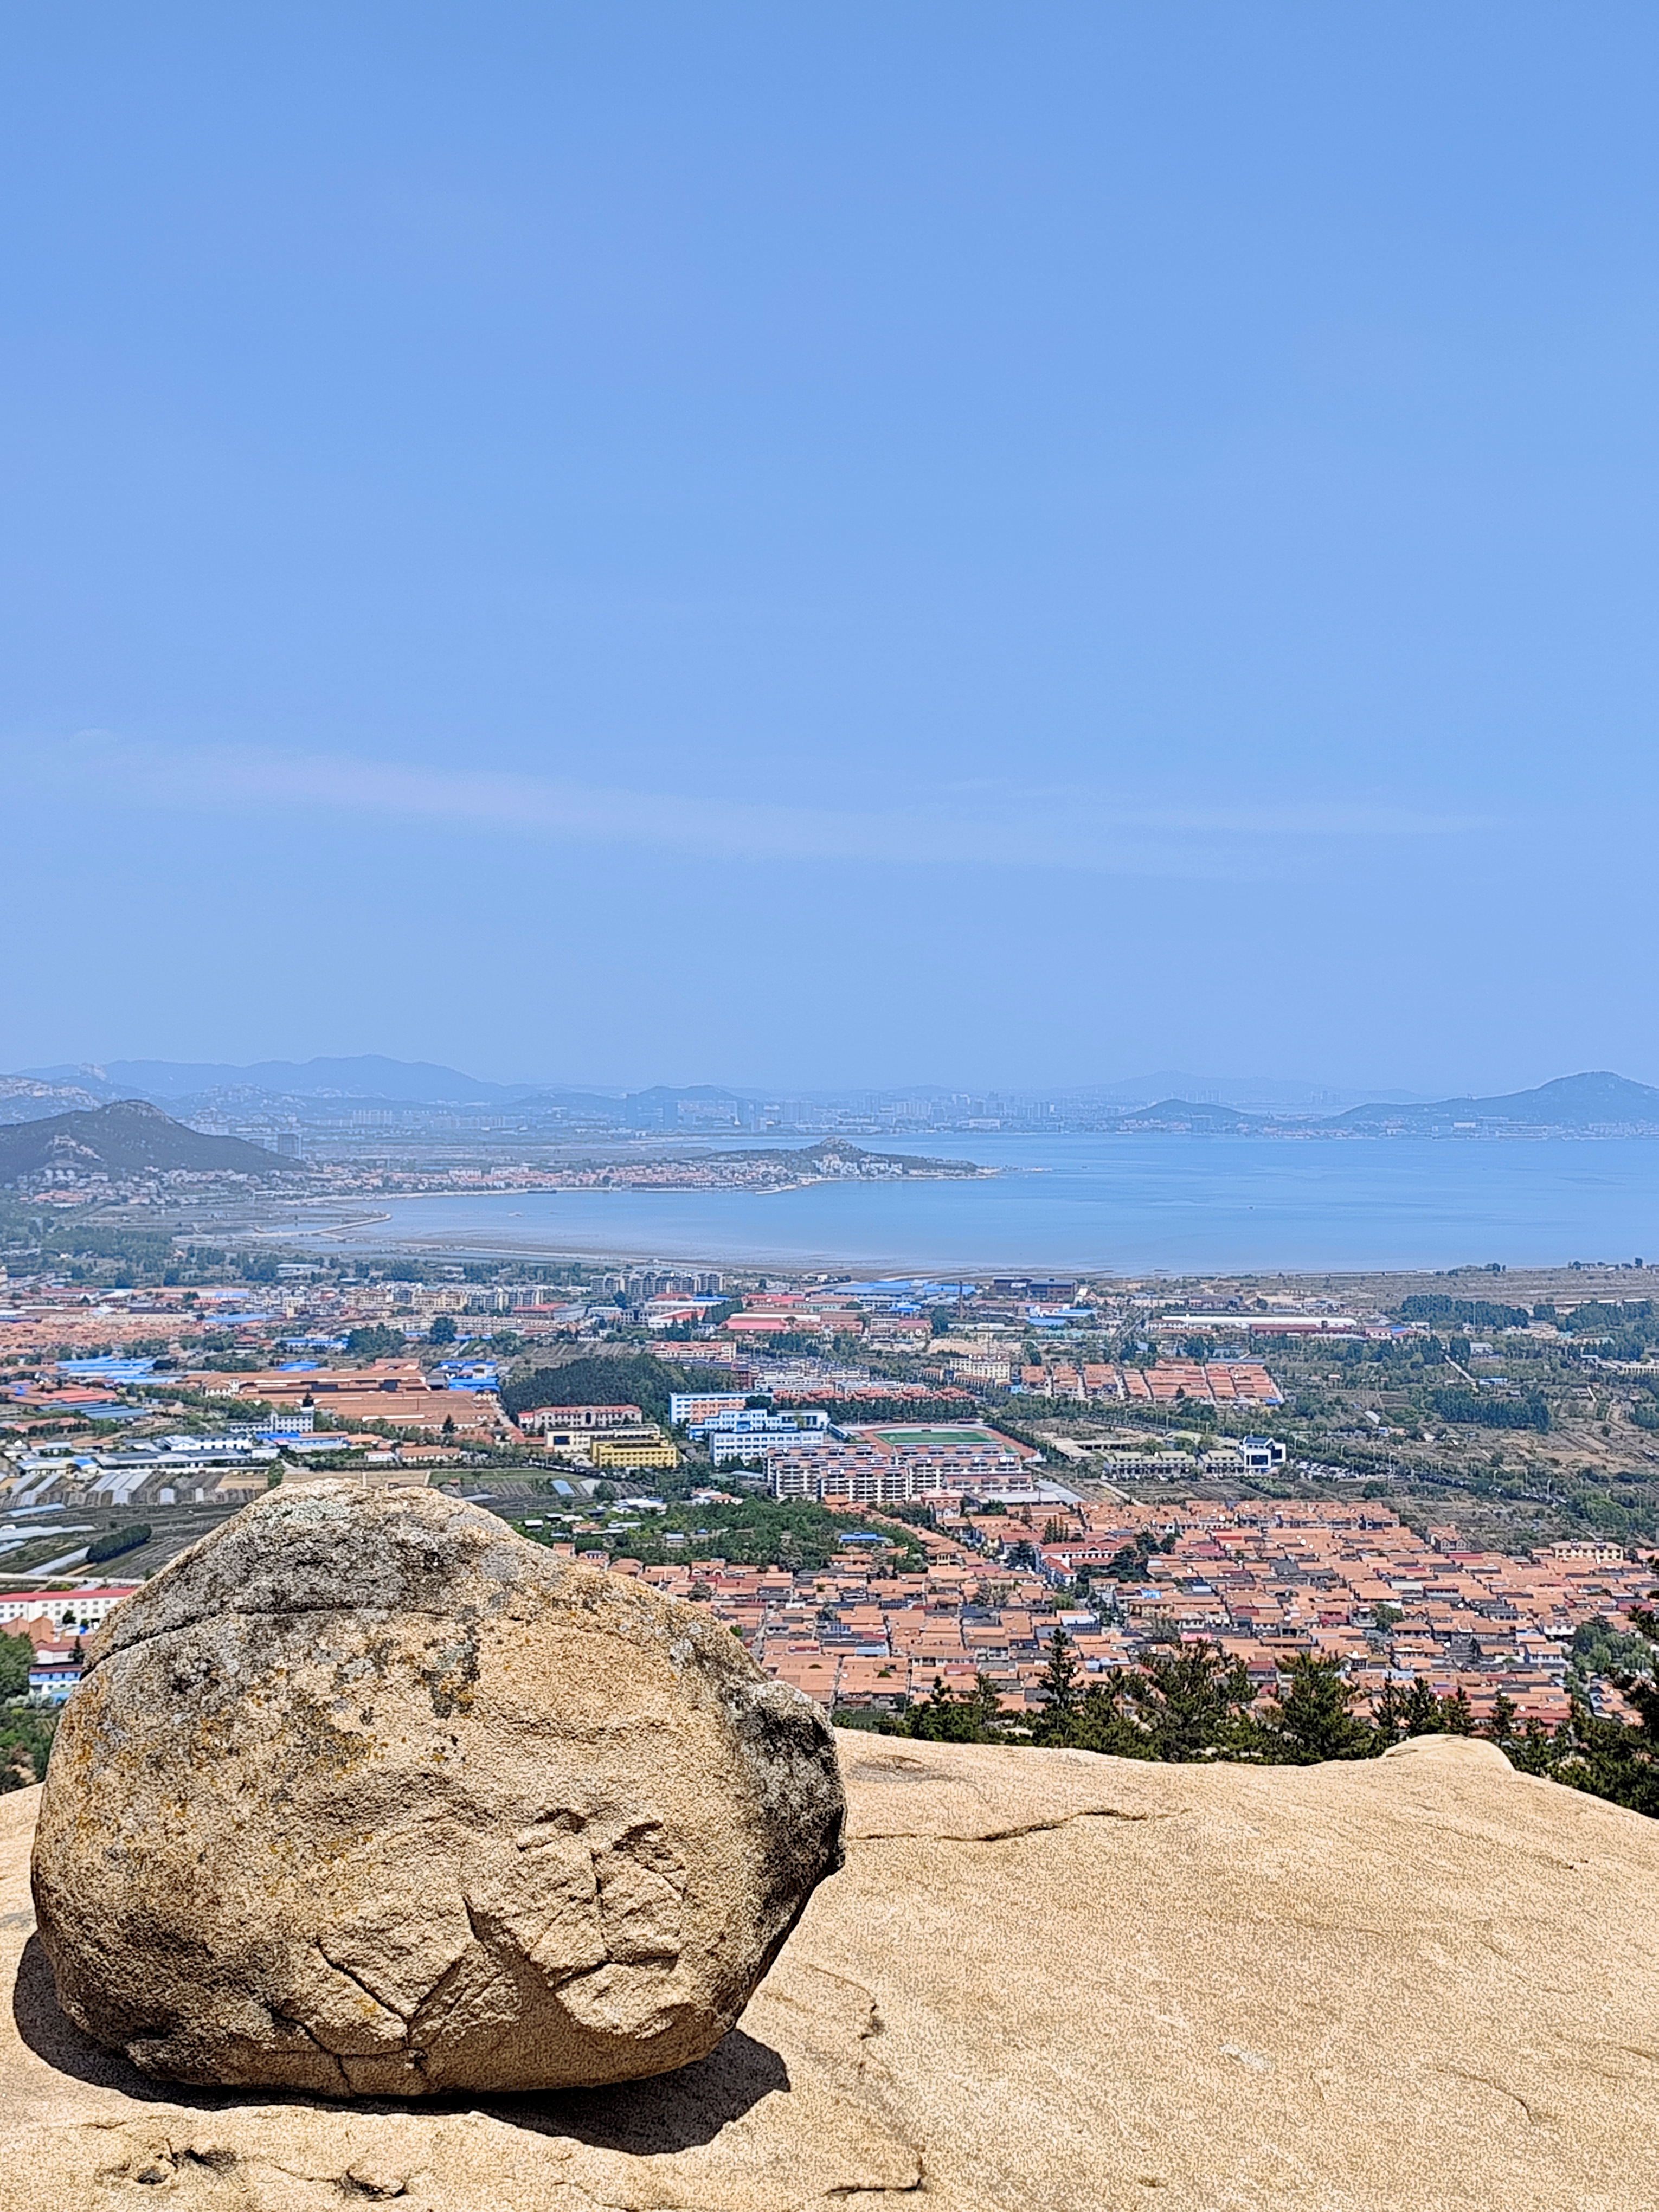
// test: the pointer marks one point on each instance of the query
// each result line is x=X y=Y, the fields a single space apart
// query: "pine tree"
x=944 y=1717
x=1420 y=1712
x=1059 y=1680
x=1396 y=1714
x=1456 y=1714
x=1540 y=1750
x=1387 y=1714
x=1314 y=1719
x=1101 y=1722
x=1190 y=1701
x=1503 y=1722
x=986 y=1699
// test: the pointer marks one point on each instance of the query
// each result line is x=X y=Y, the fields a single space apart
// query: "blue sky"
x=802 y=545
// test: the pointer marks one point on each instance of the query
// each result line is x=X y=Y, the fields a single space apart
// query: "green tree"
x=1456 y=1714
x=1193 y=1701
x=443 y=1329
x=1313 y=1718
x=116 y=1542
x=1059 y=1680
x=632 y=1379
x=1398 y=1714
x=25 y=1746
x=1503 y=1722
x=1614 y=1758
x=1184 y=1701
x=1129 y=1564
x=16 y=1655
x=944 y=1717
x=1600 y=1647
x=1104 y=1722
x=1540 y=1750
x=375 y=1341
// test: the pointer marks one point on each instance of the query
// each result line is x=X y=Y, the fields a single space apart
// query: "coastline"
x=1109 y=1206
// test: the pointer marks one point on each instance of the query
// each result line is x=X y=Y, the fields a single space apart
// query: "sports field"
x=965 y=1433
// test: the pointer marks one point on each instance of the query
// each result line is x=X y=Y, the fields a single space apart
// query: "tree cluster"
x=376 y=1341
x=1486 y=1409
x=1187 y=1702
x=1440 y=1311
x=636 y=1379
x=24 y=1737
x=116 y=1542
x=1130 y=1562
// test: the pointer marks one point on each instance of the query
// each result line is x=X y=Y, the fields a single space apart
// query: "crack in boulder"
x=1009 y=1834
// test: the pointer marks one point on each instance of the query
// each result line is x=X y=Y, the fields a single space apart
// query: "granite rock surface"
x=1043 y=1980
x=368 y=1795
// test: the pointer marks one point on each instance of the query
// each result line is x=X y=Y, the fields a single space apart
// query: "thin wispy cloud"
x=1003 y=826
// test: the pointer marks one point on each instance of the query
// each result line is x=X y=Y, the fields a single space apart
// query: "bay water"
x=1138 y=1204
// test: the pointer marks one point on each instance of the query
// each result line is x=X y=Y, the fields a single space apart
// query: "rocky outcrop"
x=1044 y=1979
x=368 y=1796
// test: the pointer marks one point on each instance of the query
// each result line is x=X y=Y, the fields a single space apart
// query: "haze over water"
x=1131 y=1204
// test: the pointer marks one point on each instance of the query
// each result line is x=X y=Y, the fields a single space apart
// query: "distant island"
x=833 y=1160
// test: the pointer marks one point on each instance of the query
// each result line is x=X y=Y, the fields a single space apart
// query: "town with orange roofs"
x=892 y=1489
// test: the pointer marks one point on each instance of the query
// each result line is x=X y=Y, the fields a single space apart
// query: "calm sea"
x=1128 y=1204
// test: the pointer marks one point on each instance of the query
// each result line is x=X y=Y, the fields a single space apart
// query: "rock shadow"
x=666 y=2113
x=52 y=2036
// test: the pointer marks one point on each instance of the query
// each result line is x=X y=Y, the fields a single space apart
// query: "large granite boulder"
x=367 y=1795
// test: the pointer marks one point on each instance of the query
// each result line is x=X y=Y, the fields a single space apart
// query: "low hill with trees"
x=1597 y=1101
x=630 y=1379
x=130 y=1138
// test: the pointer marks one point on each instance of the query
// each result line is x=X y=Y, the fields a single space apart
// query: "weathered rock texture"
x=368 y=1796
x=1045 y=1983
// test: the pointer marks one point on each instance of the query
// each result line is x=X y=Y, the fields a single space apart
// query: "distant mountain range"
x=1600 y=1102
x=130 y=1137
x=27 y=1098
x=213 y=1092
x=371 y=1079
x=367 y=1076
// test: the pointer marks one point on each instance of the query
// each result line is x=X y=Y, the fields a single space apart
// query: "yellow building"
x=633 y=1451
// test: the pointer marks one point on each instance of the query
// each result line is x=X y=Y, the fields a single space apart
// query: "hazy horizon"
x=806 y=548
x=1230 y=1087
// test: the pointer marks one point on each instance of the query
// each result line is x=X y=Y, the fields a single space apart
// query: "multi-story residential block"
x=693 y=1410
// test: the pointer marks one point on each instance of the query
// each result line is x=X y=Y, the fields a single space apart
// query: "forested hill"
x=1599 y=1101
x=130 y=1137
